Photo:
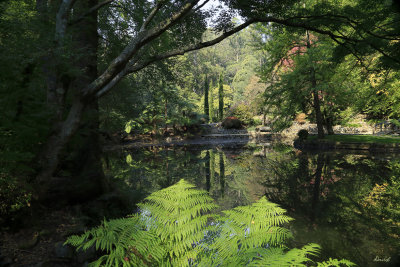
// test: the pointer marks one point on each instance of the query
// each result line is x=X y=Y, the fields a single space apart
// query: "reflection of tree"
x=347 y=203
x=326 y=194
x=317 y=182
x=222 y=173
x=207 y=170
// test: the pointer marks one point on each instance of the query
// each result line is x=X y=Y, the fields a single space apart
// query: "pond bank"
x=228 y=138
x=326 y=145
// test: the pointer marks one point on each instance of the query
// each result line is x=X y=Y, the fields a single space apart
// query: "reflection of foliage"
x=383 y=201
x=338 y=201
x=172 y=222
x=289 y=178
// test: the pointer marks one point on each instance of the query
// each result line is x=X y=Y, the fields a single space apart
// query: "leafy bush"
x=257 y=121
x=303 y=134
x=174 y=228
x=244 y=113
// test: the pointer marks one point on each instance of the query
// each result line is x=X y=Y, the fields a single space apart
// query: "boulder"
x=265 y=129
x=63 y=251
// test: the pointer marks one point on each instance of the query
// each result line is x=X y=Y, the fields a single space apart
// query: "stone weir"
x=212 y=132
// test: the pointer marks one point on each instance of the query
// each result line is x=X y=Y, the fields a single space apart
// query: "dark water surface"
x=346 y=202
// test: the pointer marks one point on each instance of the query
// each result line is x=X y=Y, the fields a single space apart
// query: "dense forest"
x=78 y=75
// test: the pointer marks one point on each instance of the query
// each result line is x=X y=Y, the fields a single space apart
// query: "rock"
x=63 y=251
x=5 y=261
x=27 y=244
x=265 y=129
x=77 y=230
x=83 y=256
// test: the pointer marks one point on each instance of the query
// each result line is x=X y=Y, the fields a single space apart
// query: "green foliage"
x=243 y=113
x=124 y=241
x=211 y=102
x=221 y=97
x=173 y=229
x=206 y=105
x=335 y=262
x=179 y=216
x=24 y=119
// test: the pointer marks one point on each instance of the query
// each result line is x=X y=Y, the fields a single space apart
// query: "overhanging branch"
x=143 y=38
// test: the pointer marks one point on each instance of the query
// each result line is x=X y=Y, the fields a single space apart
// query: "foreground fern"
x=173 y=229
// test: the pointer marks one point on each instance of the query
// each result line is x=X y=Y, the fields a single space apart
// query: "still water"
x=346 y=202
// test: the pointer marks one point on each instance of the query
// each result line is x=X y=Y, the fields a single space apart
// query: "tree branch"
x=136 y=66
x=123 y=64
x=61 y=20
x=332 y=35
x=147 y=21
x=90 y=11
x=193 y=47
x=136 y=43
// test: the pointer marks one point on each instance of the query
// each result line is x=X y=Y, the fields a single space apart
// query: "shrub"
x=232 y=123
x=303 y=134
x=173 y=229
x=244 y=113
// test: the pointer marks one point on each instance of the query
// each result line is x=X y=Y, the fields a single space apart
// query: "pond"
x=346 y=202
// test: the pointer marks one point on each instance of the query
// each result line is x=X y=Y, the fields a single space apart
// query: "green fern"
x=174 y=228
x=179 y=218
x=335 y=262
x=125 y=241
x=253 y=234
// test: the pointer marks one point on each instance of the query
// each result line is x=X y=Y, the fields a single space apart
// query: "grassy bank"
x=360 y=138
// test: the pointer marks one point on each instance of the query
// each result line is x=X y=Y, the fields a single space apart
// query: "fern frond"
x=124 y=240
x=173 y=229
x=247 y=231
x=294 y=257
x=335 y=262
x=177 y=214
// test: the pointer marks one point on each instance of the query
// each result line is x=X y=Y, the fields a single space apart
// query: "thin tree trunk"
x=166 y=115
x=328 y=123
x=317 y=109
x=316 y=104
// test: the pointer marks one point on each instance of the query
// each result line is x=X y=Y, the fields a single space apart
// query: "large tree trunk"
x=84 y=153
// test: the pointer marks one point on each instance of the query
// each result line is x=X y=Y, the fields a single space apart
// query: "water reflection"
x=346 y=202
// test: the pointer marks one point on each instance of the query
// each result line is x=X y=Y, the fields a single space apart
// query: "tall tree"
x=221 y=97
x=153 y=26
x=316 y=104
x=211 y=101
x=206 y=104
x=152 y=31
